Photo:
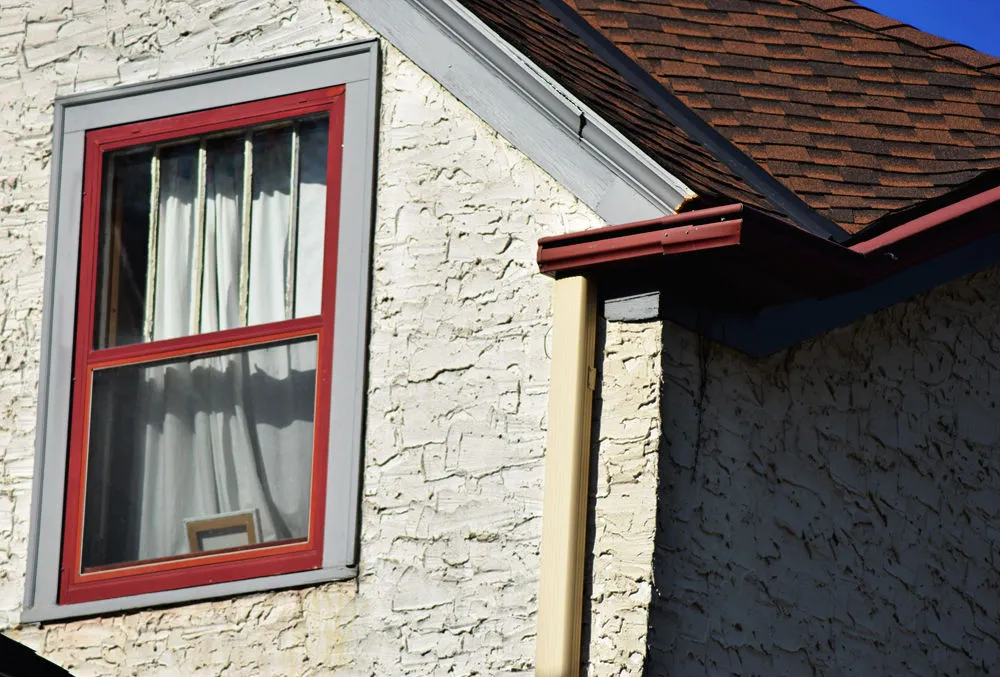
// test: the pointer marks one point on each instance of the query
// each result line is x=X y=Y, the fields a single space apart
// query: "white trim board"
x=537 y=115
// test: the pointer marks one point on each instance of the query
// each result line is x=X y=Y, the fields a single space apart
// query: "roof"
x=760 y=284
x=535 y=32
x=862 y=118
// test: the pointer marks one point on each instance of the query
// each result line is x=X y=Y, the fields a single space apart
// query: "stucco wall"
x=623 y=498
x=458 y=372
x=833 y=509
x=839 y=512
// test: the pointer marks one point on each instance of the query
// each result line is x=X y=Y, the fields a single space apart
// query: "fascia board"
x=537 y=115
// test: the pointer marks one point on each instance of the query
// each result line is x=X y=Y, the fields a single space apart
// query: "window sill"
x=60 y=612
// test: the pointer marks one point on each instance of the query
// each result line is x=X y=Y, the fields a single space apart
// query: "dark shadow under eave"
x=767 y=285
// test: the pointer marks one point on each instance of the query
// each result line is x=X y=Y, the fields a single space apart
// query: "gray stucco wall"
x=834 y=509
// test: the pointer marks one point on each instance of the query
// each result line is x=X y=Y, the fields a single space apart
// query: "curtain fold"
x=230 y=432
x=312 y=220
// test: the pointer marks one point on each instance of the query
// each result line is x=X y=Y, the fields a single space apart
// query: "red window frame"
x=225 y=565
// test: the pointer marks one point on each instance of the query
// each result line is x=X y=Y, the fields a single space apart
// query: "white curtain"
x=234 y=432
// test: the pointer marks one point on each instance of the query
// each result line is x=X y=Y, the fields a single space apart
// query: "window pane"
x=176 y=242
x=271 y=211
x=312 y=218
x=200 y=453
x=217 y=262
x=223 y=254
x=124 y=242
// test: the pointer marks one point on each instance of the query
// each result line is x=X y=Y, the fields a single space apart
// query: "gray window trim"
x=355 y=65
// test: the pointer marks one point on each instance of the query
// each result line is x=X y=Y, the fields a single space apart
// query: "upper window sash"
x=253 y=119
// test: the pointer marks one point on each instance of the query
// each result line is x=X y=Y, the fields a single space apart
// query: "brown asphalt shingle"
x=858 y=114
x=539 y=35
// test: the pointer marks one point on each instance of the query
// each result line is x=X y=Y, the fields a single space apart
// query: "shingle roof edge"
x=544 y=122
x=694 y=126
x=866 y=18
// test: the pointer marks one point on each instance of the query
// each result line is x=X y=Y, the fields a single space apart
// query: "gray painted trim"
x=221 y=74
x=356 y=65
x=53 y=429
x=542 y=119
x=40 y=614
x=350 y=346
x=215 y=93
x=41 y=409
x=634 y=308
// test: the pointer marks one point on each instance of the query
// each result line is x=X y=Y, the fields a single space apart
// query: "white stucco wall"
x=457 y=377
x=623 y=501
x=838 y=512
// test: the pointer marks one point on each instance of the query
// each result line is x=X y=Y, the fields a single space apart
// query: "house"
x=289 y=388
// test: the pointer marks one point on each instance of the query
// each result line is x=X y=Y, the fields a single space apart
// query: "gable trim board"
x=527 y=107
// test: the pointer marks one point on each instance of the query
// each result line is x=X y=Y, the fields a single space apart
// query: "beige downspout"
x=567 y=459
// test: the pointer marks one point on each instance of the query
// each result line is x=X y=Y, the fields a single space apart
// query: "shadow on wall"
x=587 y=613
x=834 y=509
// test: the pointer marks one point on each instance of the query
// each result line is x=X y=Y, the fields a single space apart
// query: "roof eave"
x=545 y=121
x=735 y=262
x=686 y=119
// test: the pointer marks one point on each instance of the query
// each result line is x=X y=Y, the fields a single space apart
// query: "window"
x=203 y=316
x=200 y=408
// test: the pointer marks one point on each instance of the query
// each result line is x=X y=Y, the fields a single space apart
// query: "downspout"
x=567 y=459
x=727 y=230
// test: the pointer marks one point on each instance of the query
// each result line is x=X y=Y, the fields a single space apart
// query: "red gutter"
x=683 y=238
x=687 y=232
x=929 y=221
x=760 y=259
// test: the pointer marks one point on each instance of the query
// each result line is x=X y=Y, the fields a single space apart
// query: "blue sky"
x=971 y=22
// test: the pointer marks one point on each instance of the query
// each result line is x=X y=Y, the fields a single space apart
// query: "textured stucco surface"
x=832 y=510
x=835 y=509
x=624 y=497
x=457 y=377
